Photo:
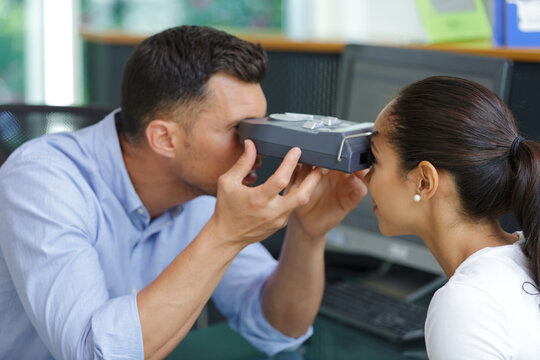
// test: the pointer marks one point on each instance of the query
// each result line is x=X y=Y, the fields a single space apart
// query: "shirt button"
x=134 y=290
x=140 y=210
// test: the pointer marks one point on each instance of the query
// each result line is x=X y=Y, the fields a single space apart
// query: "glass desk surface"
x=331 y=340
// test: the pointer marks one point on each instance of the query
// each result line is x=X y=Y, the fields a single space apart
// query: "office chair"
x=20 y=123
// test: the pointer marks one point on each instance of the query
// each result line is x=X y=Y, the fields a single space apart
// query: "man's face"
x=212 y=144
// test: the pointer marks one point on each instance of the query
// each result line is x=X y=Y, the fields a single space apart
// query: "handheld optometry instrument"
x=325 y=141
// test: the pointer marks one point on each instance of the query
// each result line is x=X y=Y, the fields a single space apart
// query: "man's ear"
x=164 y=137
x=427 y=181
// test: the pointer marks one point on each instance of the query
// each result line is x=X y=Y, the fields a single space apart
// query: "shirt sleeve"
x=239 y=298
x=464 y=322
x=48 y=222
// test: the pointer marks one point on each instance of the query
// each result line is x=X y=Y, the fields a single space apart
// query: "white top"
x=484 y=312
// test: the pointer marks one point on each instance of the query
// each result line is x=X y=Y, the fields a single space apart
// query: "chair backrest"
x=20 y=123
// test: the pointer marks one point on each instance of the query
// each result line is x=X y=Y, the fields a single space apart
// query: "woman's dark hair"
x=171 y=69
x=465 y=129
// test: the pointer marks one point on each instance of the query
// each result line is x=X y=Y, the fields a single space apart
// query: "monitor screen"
x=370 y=76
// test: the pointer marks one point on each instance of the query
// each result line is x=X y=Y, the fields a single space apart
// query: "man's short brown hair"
x=170 y=70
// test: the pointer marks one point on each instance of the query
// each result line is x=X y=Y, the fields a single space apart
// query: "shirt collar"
x=112 y=167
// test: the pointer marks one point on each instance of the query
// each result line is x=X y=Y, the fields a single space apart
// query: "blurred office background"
x=72 y=52
x=42 y=52
x=41 y=49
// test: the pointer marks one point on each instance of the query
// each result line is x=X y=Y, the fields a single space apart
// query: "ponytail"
x=525 y=163
x=463 y=128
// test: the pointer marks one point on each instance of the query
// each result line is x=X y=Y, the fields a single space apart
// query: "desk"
x=330 y=341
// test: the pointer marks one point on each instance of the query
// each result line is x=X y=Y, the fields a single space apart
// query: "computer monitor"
x=370 y=76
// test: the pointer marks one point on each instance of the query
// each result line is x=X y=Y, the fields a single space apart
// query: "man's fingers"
x=361 y=174
x=245 y=163
x=281 y=178
x=359 y=186
x=300 y=173
x=356 y=191
x=301 y=195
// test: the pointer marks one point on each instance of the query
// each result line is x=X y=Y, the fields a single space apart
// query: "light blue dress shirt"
x=76 y=244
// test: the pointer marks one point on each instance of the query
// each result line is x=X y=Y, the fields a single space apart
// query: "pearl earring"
x=416 y=198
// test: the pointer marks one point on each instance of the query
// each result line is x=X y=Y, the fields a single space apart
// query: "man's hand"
x=243 y=215
x=292 y=294
x=250 y=214
x=334 y=197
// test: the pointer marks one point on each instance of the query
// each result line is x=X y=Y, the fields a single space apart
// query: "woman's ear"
x=164 y=137
x=428 y=180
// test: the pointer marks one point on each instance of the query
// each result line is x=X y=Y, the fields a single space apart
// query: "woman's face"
x=392 y=191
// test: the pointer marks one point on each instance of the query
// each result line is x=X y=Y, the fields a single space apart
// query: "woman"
x=448 y=161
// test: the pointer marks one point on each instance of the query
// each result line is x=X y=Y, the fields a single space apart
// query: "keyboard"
x=386 y=316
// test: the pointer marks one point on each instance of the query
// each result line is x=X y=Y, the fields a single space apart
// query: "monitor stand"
x=402 y=282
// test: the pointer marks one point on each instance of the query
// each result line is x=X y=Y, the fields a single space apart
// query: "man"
x=114 y=237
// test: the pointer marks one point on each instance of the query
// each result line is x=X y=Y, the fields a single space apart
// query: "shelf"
x=276 y=42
